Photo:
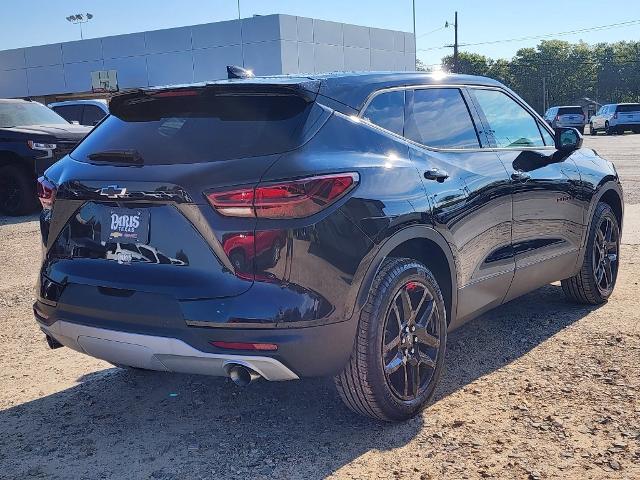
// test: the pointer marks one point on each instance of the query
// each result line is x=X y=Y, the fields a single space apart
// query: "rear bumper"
x=626 y=125
x=158 y=353
x=569 y=125
x=169 y=344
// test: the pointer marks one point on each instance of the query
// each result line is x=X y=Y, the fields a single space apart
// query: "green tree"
x=557 y=72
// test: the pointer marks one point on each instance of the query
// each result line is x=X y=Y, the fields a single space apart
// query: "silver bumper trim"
x=158 y=353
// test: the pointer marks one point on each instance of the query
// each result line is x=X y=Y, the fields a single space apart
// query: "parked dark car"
x=32 y=138
x=402 y=205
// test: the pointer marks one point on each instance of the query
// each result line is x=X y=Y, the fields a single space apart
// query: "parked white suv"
x=82 y=112
x=616 y=118
x=566 y=116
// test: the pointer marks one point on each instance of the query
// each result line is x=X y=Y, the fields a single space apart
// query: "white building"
x=271 y=44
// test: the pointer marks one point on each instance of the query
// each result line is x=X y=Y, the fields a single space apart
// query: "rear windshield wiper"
x=126 y=157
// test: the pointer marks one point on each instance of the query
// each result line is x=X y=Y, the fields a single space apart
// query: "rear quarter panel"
x=324 y=252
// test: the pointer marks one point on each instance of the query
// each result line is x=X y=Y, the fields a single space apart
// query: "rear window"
x=570 y=111
x=200 y=128
x=632 y=107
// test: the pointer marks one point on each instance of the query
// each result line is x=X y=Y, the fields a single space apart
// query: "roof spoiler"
x=306 y=89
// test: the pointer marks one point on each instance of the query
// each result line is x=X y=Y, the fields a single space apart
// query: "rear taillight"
x=290 y=199
x=46 y=193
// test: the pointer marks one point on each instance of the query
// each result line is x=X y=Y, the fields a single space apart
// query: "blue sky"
x=36 y=22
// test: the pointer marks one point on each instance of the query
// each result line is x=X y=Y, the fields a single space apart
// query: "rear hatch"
x=130 y=213
x=628 y=113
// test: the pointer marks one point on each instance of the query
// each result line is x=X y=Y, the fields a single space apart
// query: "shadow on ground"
x=5 y=220
x=128 y=424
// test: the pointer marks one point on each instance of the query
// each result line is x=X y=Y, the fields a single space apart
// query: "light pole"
x=415 y=40
x=80 y=18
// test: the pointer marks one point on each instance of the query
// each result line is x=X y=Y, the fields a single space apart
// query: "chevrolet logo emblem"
x=113 y=191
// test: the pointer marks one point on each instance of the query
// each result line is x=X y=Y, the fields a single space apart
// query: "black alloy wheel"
x=605 y=255
x=399 y=350
x=596 y=279
x=411 y=341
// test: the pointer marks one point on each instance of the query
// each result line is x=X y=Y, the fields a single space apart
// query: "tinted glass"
x=71 y=113
x=92 y=115
x=632 y=107
x=438 y=117
x=570 y=111
x=387 y=111
x=201 y=128
x=510 y=124
x=22 y=114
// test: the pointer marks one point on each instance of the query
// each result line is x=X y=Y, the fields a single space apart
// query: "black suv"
x=32 y=138
x=330 y=225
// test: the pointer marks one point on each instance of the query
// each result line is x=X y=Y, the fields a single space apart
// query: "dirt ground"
x=538 y=388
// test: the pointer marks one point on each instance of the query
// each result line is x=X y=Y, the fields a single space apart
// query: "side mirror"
x=568 y=139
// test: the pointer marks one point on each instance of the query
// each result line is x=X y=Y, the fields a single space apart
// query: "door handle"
x=520 y=176
x=436 y=174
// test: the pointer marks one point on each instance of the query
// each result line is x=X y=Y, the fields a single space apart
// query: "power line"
x=535 y=37
x=431 y=31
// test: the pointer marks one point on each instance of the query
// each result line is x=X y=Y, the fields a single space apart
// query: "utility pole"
x=544 y=93
x=455 y=44
x=238 y=9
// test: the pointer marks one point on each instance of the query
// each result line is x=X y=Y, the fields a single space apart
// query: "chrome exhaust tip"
x=241 y=375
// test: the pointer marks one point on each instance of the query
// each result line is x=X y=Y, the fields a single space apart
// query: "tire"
x=581 y=130
x=17 y=191
x=607 y=129
x=594 y=283
x=375 y=383
x=592 y=131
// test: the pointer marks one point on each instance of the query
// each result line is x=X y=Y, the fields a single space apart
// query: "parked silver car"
x=616 y=118
x=566 y=116
x=82 y=112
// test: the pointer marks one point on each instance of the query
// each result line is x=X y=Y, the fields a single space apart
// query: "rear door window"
x=71 y=113
x=92 y=115
x=387 y=111
x=202 y=127
x=509 y=123
x=439 y=118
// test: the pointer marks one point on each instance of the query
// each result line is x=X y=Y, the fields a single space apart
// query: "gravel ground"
x=538 y=388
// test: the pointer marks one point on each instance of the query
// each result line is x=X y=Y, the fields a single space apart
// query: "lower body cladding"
x=301 y=352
